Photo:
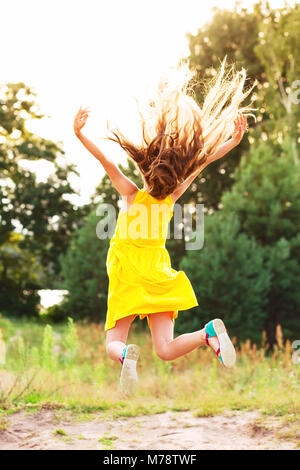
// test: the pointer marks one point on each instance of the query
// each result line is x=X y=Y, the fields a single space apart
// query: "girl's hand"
x=80 y=119
x=240 y=126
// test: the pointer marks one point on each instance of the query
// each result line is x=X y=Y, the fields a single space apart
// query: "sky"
x=101 y=54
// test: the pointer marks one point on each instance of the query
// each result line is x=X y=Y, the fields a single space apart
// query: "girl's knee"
x=109 y=350
x=163 y=352
x=111 y=347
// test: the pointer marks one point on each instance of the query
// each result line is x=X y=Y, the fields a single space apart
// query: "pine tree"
x=266 y=200
x=229 y=279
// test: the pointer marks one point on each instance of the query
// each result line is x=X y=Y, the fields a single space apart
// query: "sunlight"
x=51 y=297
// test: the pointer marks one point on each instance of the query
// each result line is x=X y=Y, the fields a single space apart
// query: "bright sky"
x=96 y=53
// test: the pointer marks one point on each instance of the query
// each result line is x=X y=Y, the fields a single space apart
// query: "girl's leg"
x=168 y=348
x=116 y=337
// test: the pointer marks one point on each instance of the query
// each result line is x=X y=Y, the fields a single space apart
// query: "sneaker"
x=227 y=352
x=128 y=377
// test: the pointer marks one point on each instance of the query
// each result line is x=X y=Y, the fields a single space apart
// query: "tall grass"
x=67 y=366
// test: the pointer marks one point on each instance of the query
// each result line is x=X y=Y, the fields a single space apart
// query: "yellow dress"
x=141 y=279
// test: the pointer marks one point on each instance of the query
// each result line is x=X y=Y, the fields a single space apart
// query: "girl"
x=180 y=139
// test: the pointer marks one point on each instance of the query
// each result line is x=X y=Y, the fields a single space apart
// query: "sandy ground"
x=171 y=431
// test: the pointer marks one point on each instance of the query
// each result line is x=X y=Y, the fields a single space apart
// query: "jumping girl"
x=180 y=139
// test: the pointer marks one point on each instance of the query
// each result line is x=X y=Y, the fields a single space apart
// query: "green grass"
x=66 y=368
x=60 y=432
x=107 y=442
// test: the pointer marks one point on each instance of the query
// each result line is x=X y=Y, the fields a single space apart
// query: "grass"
x=66 y=368
x=108 y=442
x=60 y=432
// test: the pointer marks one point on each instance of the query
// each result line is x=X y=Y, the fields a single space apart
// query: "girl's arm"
x=240 y=125
x=123 y=185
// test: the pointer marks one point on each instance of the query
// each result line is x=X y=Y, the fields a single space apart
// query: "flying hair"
x=179 y=134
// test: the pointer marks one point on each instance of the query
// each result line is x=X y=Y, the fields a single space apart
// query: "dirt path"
x=49 y=429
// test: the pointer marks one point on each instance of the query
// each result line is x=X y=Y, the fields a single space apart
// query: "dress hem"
x=143 y=315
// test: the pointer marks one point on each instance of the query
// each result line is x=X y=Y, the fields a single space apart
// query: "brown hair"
x=178 y=135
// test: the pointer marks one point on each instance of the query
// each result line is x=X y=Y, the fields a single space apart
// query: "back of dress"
x=145 y=223
x=141 y=279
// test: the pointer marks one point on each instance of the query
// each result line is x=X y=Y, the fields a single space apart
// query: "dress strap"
x=170 y=201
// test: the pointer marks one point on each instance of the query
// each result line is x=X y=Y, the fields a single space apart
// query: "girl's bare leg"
x=116 y=337
x=168 y=348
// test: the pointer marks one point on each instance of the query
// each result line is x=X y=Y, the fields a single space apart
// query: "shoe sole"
x=227 y=350
x=128 y=378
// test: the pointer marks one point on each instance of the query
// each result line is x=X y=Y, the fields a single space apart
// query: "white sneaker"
x=129 y=378
x=227 y=352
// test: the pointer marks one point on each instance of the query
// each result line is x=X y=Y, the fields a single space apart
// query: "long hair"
x=179 y=134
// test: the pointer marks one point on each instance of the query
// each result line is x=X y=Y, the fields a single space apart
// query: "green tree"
x=20 y=275
x=232 y=32
x=265 y=195
x=266 y=200
x=84 y=271
x=246 y=37
x=40 y=211
x=278 y=52
x=248 y=270
x=229 y=279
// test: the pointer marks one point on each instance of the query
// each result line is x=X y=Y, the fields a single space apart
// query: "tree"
x=280 y=94
x=39 y=211
x=229 y=279
x=20 y=278
x=232 y=32
x=265 y=195
x=266 y=200
x=264 y=42
x=84 y=271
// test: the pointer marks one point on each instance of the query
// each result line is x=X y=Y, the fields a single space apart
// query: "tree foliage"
x=229 y=279
x=84 y=271
x=39 y=211
x=249 y=264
